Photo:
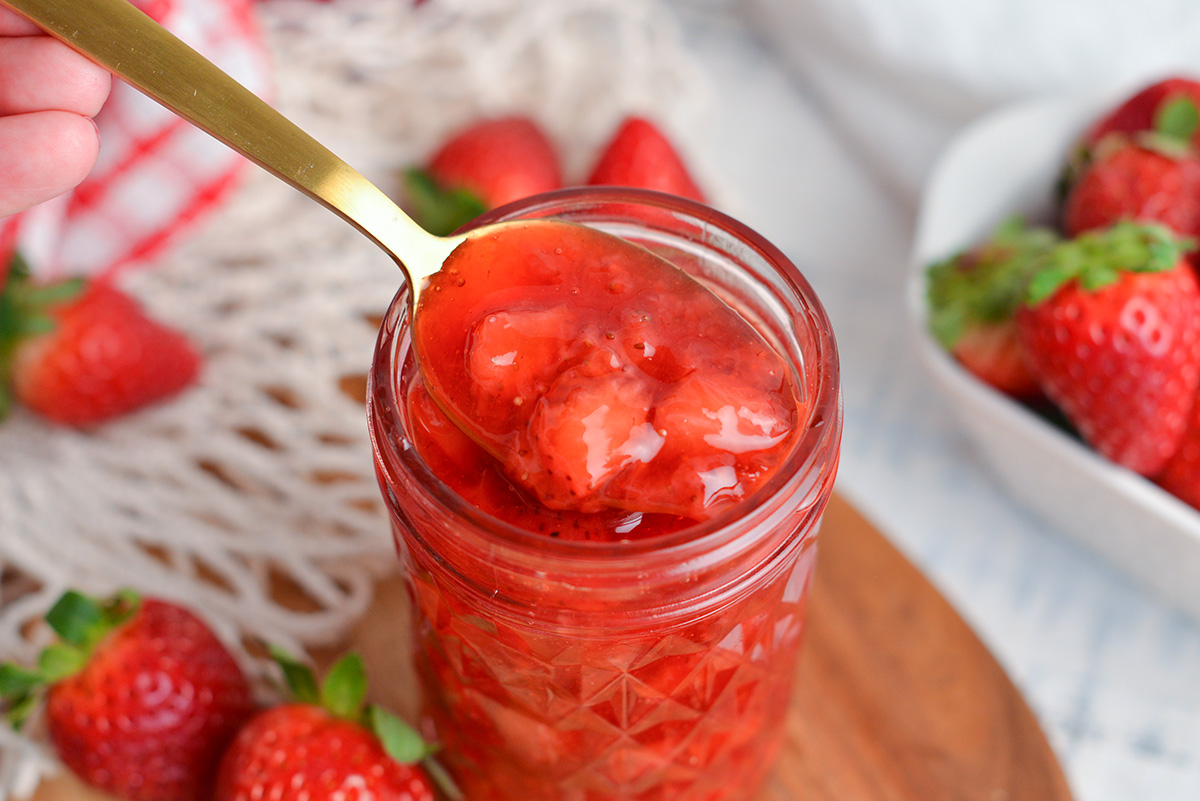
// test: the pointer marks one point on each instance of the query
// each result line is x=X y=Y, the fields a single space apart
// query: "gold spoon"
x=119 y=37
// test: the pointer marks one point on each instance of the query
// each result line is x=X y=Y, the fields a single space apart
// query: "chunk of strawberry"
x=720 y=440
x=583 y=432
x=513 y=356
x=706 y=413
x=636 y=329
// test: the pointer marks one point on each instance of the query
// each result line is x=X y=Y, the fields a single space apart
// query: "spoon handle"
x=135 y=48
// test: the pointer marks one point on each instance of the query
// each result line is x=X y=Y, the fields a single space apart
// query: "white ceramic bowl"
x=1009 y=162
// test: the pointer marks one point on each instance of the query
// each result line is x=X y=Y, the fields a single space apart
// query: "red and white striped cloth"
x=156 y=175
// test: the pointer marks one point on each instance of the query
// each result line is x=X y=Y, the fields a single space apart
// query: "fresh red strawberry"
x=1125 y=180
x=1141 y=164
x=1145 y=110
x=973 y=297
x=639 y=155
x=327 y=746
x=1181 y=476
x=993 y=354
x=1112 y=334
x=80 y=355
x=485 y=165
x=141 y=697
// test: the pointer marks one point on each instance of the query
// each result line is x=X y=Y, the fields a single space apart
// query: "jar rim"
x=801 y=461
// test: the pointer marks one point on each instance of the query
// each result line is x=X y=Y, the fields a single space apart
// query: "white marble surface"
x=1113 y=673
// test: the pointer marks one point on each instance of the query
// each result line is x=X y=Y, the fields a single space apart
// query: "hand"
x=48 y=93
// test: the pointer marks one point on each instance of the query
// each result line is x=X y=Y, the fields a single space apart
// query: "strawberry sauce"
x=608 y=516
x=603 y=379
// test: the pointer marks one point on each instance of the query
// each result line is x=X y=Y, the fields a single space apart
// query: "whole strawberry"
x=141 y=698
x=1111 y=332
x=973 y=297
x=326 y=746
x=487 y=164
x=640 y=155
x=82 y=353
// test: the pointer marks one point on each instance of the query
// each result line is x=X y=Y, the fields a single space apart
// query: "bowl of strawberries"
x=1055 y=302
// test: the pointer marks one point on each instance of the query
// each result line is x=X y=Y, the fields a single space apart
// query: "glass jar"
x=658 y=668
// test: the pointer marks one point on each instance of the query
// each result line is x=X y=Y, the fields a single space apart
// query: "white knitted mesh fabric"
x=262 y=476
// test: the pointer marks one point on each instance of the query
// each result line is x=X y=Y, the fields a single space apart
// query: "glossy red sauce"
x=596 y=391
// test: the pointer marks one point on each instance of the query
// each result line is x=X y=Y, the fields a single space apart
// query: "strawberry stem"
x=442 y=778
x=56 y=293
x=20 y=708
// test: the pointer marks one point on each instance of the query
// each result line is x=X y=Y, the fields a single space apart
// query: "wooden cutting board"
x=897 y=699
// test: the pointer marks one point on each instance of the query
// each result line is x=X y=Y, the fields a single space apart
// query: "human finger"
x=13 y=24
x=42 y=155
x=37 y=73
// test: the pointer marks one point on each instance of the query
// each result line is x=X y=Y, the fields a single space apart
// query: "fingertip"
x=38 y=73
x=89 y=83
x=80 y=138
x=43 y=155
x=94 y=86
x=13 y=24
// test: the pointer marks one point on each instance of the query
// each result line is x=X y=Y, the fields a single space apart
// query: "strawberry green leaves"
x=344 y=690
x=987 y=283
x=1025 y=265
x=441 y=211
x=1098 y=258
x=25 y=313
x=343 y=694
x=19 y=689
x=1177 y=119
x=298 y=676
x=400 y=740
x=81 y=622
